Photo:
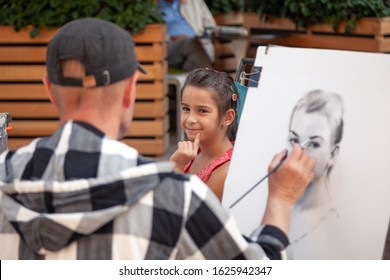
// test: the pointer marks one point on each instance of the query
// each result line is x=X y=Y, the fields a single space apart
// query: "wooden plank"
x=149 y=147
x=254 y=20
x=385 y=45
x=15 y=143
x=31 y=110
x=22 y=54
x=149 y=128
x=40 y=128
x=328 y=42
x=156 y=71
x=155 y=52
x=145 y=91
x=385 y=26
x=154 y=90
x=33 y=128
x=23 y=92
x=147 y=53
x=152 y=33
x=364 y=26
x=236 y=18
x=19 y=73
x=9 y=36
x=154 y=109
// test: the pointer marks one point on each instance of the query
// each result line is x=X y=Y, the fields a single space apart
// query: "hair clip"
x=234 y=95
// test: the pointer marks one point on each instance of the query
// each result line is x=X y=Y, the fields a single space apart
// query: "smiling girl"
x=209 y=119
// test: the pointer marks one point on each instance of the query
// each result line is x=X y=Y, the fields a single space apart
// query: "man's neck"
x=107 y=126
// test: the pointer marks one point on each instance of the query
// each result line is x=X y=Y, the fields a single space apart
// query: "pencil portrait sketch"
x=316 y=123
x=335 y=105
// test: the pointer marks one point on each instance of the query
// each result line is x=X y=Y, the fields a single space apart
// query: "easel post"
x=5 y=118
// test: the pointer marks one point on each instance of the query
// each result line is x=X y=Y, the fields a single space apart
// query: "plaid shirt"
x=82 y=195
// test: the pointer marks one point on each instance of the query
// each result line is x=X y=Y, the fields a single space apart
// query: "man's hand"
x=286 y=185
x=186 y=151
x=291 y=179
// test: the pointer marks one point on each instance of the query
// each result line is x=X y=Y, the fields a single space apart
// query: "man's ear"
x=229 y=117
x=130 y=90
x=48 y=89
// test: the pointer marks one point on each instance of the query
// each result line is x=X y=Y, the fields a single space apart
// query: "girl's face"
x=200 y=114
x=313 y=126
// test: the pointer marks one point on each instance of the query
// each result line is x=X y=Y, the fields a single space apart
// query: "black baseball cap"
x=105 y=50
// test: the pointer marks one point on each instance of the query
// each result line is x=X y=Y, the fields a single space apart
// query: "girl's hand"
x=186 y=151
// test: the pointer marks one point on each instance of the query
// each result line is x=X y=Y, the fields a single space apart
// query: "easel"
x=5 y=119
x=386 y=250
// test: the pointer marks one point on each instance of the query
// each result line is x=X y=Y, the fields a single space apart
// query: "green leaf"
x=132 y=14
x=224 y=6
x=308 y=12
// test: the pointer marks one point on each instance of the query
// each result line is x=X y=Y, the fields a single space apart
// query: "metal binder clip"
x=247 y=76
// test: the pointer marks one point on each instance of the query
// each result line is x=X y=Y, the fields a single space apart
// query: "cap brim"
x=142 y=69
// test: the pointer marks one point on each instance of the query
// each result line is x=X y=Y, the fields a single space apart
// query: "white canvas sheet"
x=359 y=184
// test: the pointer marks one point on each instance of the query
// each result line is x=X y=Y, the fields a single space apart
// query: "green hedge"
x=132 y=15
x=224 y=6
x=308 y=12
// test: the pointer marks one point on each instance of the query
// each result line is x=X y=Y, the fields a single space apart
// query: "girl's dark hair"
x=225 y=92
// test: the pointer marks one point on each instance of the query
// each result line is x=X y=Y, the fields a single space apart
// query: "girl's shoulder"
x=206 y=172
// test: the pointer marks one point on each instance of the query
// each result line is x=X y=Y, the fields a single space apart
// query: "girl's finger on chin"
x=184 y=147
x=180 y=145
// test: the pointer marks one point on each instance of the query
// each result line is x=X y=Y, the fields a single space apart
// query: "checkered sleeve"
x=211 y=232
x=273 y=241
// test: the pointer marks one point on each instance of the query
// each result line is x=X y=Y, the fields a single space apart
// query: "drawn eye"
x=314 y=145
x=294 y=141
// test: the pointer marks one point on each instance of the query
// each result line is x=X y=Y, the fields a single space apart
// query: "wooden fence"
x=22 y=66
x=370 y=34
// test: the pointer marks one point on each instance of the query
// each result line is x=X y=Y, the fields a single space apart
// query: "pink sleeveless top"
x=206 y=172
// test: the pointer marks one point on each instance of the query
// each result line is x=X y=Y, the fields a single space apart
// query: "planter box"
x=22 y=66
x=236 y=19
x=370 y=34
